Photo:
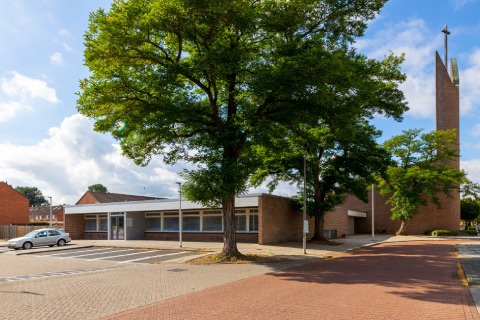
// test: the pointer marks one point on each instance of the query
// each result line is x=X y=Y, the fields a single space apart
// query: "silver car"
x=41 y=237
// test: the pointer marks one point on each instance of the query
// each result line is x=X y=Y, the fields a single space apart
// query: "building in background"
x=42 y=214
x=13 y=206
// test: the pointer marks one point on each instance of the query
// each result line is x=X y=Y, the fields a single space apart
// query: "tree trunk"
x=318 y=234
x=403 y=229
x=229 y=231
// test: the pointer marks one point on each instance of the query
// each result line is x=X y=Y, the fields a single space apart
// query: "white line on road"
x=145 y=258
x=92 y=254
x=57 y=254
x=121 y=255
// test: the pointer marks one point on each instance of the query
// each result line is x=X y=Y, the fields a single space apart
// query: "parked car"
x=41 y=237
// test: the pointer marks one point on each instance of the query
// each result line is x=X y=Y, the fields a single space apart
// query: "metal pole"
x=305 y=203
x=50 y=224
x=373 y=212
x=180 y=225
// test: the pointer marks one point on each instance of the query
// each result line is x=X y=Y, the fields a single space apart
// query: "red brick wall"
x=337 y=220
x=87 y=198
x=95 y=235
x=13 y=206
x=193 y=236
x=75 y=225
x=279 y=220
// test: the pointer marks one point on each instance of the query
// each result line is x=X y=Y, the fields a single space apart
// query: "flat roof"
x=249 y=200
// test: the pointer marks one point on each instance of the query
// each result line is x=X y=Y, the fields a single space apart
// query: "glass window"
x=240 y=211
x=152 y=224
x=241 y=223
x=91 y=224
x=53 y=233
x=212 y=223
x=253 y=223
x=191 y=223
x=42 y=234
x=170 y=223
x=103 y=224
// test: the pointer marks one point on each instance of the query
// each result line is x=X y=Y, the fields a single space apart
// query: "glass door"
x=118 y=228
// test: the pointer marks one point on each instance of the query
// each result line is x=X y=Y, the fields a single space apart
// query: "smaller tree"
x=34 y=195
x=469 y=209
x=420 y=173
x=98 y=188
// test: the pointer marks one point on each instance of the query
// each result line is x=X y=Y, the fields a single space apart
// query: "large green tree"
x=341 y=159
x=204 y=81
x=420 y=172
x=34 y=195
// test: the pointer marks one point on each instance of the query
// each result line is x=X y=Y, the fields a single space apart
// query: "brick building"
x=429 y=217
x=260 y=218
x=13 y=206
x=42 y=214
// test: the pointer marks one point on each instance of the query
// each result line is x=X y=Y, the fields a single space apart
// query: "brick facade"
x=337 y=220
x=279 y=220
x=75 y=225
x=13 y=206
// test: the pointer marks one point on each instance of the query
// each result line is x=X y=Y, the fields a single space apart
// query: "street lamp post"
x=373 y=212
x=50 y=218
x=305 y=222
x=180 y=225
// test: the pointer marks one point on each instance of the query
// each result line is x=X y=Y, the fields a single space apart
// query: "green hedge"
x=38 y=224
x=445 y=232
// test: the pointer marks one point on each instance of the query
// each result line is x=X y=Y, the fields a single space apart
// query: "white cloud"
x=418 y=44
x=56 y=58
x=457 y=4
x=469 y=89
x=18 y=93
x=9 y=110
x=472 y=167
x=74 y=157
x=64 y=33
x=26 y=88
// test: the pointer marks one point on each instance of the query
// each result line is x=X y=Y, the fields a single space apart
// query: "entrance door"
x=118 y=228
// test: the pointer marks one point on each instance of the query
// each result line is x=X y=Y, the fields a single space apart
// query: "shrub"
x=38 y=224
x=469 y=231
x=445 y=233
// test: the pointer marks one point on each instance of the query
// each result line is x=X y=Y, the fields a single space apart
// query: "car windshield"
x=31 y=234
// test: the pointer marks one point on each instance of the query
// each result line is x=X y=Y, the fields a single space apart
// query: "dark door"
x=118 y=228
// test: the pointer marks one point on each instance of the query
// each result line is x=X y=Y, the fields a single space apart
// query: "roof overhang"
x=359 y=214
x=152 y=205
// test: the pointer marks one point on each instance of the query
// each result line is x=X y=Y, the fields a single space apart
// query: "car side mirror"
x=36 y=236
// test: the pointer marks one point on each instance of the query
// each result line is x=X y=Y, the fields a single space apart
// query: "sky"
x=45 y=143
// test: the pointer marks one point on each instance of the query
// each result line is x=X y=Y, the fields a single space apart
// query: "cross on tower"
x=445 y=30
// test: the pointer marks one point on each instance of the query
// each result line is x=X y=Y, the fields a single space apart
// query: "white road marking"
x=121 y=255
x=68 y=252
x=151 y=257
x=92 y=254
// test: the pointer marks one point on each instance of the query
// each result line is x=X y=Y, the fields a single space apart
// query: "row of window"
x=43 y=217
x=246 y=220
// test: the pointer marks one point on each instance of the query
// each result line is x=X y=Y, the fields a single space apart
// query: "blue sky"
x=45 y=143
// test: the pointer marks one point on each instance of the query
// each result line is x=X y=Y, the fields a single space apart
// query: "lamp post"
x=50 y=218
x=180 y=225
x=305 y=222
x=373 y=212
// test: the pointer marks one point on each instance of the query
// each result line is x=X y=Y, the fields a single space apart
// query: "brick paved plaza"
x=392 y=280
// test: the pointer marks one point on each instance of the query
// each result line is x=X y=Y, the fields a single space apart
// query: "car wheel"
x=27 y=245
x=61 y=242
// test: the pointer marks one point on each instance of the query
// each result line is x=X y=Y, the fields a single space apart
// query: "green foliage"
x=445 y=233
x=420 y=172
x=469 y=209
x=37 y=223
x=469 y=231
x=204 y=82
x=97 y=188
x=34 y=195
